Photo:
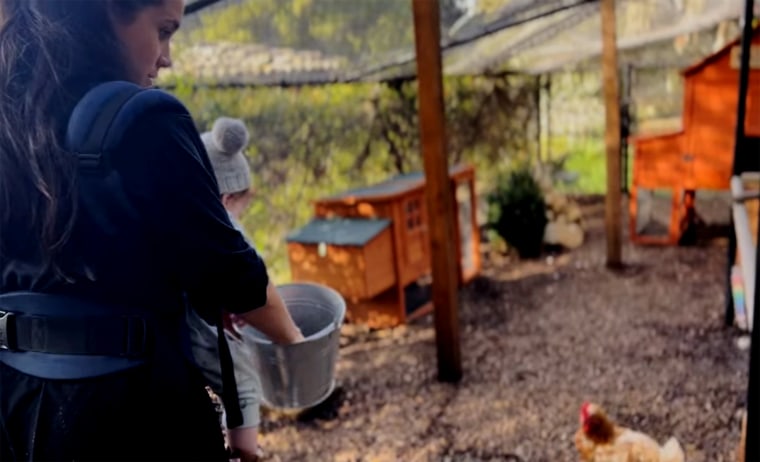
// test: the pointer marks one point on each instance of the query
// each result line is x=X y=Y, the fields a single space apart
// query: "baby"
x=225 y=144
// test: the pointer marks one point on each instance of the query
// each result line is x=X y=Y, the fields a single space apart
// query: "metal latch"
x=6 y=333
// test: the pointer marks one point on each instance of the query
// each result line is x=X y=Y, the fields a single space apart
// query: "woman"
x=181 y=247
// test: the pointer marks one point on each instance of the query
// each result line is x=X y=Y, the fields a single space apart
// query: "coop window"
x=413 y=214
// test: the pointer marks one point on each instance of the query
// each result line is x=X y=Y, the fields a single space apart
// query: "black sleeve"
x=166 y=170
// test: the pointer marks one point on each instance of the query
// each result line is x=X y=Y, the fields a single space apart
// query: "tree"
x=360 y=31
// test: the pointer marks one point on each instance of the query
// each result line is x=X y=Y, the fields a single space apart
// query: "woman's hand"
x=244 y=444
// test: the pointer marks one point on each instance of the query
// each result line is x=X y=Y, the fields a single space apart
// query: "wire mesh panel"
x=326 y=87
x=654 y=212
x=373 y=39
x=258 y=60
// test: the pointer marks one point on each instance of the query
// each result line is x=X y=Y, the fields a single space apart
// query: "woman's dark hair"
x=51 y=53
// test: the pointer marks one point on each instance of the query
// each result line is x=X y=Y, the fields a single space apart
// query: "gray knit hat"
x=224 y=145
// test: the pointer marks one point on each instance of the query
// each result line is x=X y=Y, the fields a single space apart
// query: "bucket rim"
x=335 y=325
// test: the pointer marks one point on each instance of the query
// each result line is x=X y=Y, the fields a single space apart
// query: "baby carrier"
x=59 y=337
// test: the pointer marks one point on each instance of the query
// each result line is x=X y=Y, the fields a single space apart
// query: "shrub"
x=517 y=212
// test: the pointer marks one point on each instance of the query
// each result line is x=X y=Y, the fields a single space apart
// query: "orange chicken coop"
x=700 y=155
x=371 y=245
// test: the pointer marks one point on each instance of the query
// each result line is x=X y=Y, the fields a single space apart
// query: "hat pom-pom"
x=230 y=136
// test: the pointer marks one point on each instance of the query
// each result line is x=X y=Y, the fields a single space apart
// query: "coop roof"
x=339 y=231
x=391 y=187
x=718 y=54
x=527 y=36
x=396 y=185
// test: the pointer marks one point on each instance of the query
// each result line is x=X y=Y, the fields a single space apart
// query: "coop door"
x=416 y=238
x=654 y=209
x=466 y=232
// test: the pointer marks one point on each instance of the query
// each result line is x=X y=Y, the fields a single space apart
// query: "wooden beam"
x=198 y=5
x=612 y=214
x=440 y=200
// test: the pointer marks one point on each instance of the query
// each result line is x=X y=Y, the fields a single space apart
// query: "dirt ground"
x=538 y=338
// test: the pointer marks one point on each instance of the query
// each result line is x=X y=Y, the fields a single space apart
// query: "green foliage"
x=517 y=212
x=359 y=30
x=303 y=146
x=586 y=157
x=311 y=142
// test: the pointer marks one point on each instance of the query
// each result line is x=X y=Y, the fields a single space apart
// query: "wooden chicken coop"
x=700 y=155
x=371 y=244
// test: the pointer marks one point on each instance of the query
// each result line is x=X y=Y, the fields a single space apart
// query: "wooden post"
x=612 y=134
x=440 y=201
x=548 y=112
x=537 y=107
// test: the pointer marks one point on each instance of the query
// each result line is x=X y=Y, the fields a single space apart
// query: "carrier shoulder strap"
x=96 y=128
x=100 y=119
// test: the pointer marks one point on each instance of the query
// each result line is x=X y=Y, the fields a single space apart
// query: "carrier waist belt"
x=55 y=336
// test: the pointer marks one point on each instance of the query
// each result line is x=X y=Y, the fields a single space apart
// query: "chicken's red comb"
x=585 y=410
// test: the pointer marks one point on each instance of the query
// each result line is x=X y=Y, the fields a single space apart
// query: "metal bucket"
x=301 y=375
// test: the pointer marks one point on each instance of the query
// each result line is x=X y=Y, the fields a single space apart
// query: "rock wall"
x=565 y=219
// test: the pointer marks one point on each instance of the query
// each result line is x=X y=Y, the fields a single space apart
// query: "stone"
x=743 y=342
x=571 y=235
x=556 y=201
x=568 y=235
x=573 y=213
x=551 y=233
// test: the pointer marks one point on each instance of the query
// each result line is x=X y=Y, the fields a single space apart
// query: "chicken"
x=600 y=440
